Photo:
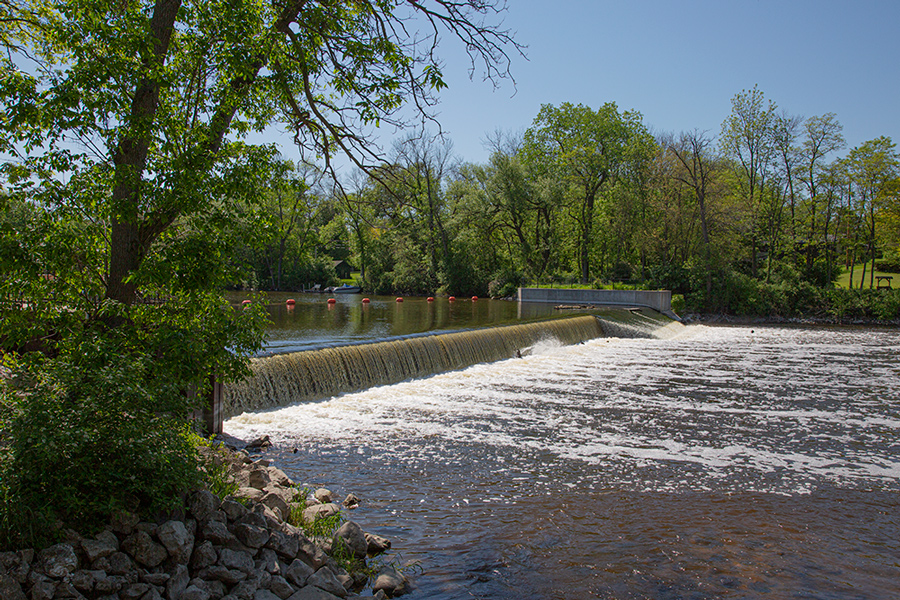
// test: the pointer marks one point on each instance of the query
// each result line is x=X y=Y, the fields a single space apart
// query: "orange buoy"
x=291 y=302
x=399 y=299
x=332 y=301
x=474 y=298
x=365 y=300
x=451 y=298
x=430 y=299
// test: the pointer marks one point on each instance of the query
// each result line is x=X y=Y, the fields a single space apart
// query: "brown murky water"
x=719 y=463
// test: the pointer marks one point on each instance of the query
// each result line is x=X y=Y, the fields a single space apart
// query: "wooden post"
x=211 y=413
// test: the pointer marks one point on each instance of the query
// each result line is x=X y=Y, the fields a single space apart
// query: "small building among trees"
x=343 y=269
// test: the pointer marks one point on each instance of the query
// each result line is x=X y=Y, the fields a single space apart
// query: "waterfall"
x=314 y=374
x=638 y=323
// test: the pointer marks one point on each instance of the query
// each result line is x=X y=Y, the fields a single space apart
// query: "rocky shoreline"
x=241 y=547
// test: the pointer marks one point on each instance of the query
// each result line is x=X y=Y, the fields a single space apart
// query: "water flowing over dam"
x=315 y=374
x=705 y=462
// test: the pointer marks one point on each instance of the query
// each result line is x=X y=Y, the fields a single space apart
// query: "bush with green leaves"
x=100 y=421
x=505 y=283
x=740 y=294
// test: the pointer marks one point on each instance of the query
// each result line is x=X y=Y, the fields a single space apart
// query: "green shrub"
x=89 y=439
x=669 y=277
x=100 y=424
x=888 y=265
x=620 y=272
x=215 y=466
x=742 y=295
x=505 y=283
x=887 y=304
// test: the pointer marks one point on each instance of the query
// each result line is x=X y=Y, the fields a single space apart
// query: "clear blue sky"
x=680 y=62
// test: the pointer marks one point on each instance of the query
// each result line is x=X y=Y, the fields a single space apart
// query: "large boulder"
x=390 y=582
x=324 y=579
x=177 y=583
x=10 y=589
x=284 y=544
x=298 y=573
x=251 y=536
x=104 y=544
x=279 y=586
x=58 y=561
x=217 y=533
x=178 y=541
x=17 y=564
x=259 y=478
x=144 y=550
x=233 y=559
x=203 y=504
x=350 y=536
x=278 y=477
x=320 y=511
x=205 y=555
x=311 y=592
x=375 y=544
x=233 y=509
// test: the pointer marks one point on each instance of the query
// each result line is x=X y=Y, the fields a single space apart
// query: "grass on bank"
x=324 y=528
x=844 y=280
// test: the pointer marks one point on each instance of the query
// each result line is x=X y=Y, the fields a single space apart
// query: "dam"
x=320 y=373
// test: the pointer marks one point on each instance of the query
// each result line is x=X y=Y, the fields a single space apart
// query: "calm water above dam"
x=723 y=462
x=313 y=323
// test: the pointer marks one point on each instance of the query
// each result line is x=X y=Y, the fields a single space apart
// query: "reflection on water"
x=721 y=463
x=313 y=323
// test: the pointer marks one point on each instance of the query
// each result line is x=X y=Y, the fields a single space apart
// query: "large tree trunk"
x=128 y=243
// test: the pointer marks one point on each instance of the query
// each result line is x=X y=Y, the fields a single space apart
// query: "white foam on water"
x=765 y=408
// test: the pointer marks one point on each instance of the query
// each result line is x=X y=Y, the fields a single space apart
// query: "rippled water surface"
x=724 y=462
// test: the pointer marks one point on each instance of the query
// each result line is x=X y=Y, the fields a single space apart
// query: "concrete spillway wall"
x=301 y=376
x=314 y=374
x=658 y=300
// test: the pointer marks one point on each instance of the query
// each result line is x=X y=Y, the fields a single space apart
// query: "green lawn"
x=844 y=280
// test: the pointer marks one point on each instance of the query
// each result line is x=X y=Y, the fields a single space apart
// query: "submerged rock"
x=259 y=443
x=391 y=582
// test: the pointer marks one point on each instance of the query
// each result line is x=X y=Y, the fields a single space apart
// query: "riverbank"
x=723 y=319
x=246 y=546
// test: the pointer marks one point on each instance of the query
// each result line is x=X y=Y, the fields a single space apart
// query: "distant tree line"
x=770 y=210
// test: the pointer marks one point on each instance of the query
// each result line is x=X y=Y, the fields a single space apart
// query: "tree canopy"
x=587 y=149
x=126 y=181
x=150 y=96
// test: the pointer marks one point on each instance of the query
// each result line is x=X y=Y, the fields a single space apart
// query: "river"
x=722 y=462
x=311 y=322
